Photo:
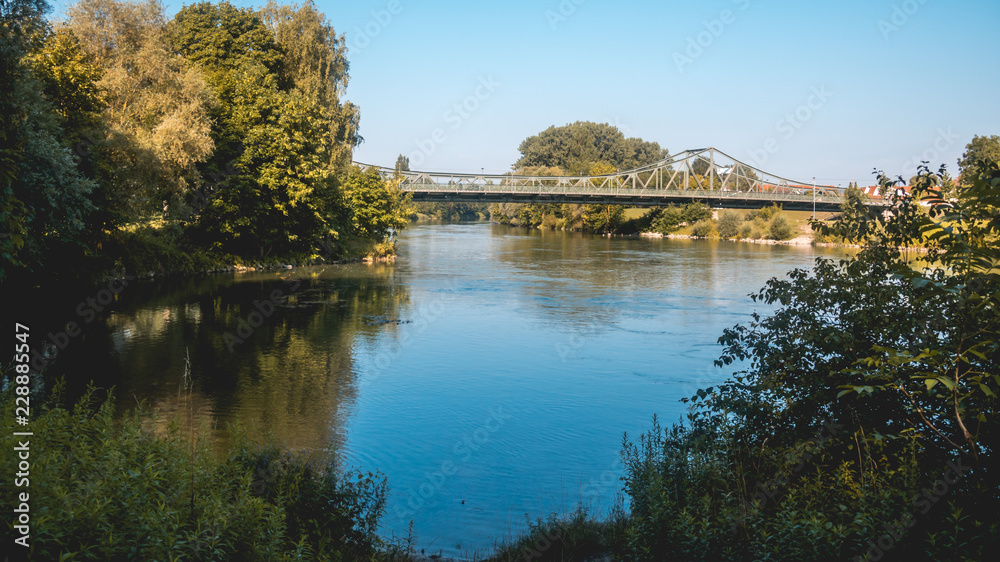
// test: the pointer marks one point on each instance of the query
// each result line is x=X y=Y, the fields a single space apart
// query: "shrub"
x=703 y=228
x=768 y=213
x=780 y=229
x=103 y=489
x=694 y=212
x=729 y=224
x=669 y=219
x=746 y=230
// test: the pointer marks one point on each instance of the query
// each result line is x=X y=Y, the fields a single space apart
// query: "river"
x=489 y=373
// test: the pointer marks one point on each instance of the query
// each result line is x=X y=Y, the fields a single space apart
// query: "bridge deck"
x=618 y=196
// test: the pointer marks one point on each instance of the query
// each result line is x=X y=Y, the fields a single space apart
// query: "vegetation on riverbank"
x=217 y=137
x=865 y=424
x=113 y=489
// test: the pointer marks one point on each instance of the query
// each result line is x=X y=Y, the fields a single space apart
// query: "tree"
x=379 y=207
x=979 y=157
x=44 y=200
x=155 y=122
x=697 y=211
x=602 y=218
x=729 y=223
x=220 y=37
x=669 y=219
x=315 y=63
x=780 y=228
x=575 y=147
x=402 y=163
x=282 y=197
x=870 y=377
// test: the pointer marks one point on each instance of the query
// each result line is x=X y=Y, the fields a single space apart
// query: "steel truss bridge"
x=707 y=175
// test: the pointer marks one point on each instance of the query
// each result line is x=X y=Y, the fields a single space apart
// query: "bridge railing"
x=570 y=190
x=705 y=173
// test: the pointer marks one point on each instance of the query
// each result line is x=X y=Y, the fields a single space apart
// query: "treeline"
x=133 y=140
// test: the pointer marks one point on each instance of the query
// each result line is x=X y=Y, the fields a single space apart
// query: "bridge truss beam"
x=706 y=174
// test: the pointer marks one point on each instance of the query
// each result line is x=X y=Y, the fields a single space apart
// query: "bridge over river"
x=707 y=175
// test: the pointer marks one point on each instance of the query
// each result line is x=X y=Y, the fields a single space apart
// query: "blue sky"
x=805 y=88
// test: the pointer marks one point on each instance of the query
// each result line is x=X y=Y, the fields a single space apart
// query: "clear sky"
x=803 y=88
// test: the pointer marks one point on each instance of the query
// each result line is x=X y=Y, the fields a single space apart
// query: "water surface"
x=489 y=373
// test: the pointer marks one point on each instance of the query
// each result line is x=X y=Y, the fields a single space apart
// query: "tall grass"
x=107 y=489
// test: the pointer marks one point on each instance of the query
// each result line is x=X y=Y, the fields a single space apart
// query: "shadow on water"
x=271 y=350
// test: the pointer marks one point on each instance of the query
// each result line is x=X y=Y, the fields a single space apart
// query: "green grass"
x=107 y=489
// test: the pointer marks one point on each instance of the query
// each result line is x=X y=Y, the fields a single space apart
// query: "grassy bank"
x=107 y=489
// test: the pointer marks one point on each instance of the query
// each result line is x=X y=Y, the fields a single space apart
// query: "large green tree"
x=577 y=146
x=276 y=108
x=44 y=200
x=315 y=63
x=155 y=123
x=979 y=156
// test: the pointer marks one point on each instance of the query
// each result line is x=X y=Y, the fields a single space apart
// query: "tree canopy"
x=222 y=131
x=577 y=146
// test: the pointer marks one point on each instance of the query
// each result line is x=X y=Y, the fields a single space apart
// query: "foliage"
x=117 y=491
x=315 y=63
x=155 y=123
x=603 y=218
x=380 y=207
x=576 y=146
x=846 y=416
x=44 y=200
x=283 y=137
x=780 y=228
x=729 y=223
x=979 y=157
x=578 y=536
x=669 y=219
x=703 y=228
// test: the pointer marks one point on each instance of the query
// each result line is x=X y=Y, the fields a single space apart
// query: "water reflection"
x=489 y=373
x=271 y=351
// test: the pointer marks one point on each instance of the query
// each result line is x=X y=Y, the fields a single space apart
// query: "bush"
x=729 y=224
x=694 y=212
x=576 y=537
x=669 y=219
x=768 y=213
x=861 y=420
x=746 y=230
x=114 y=490
x=703 y=228
x=780 y=229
